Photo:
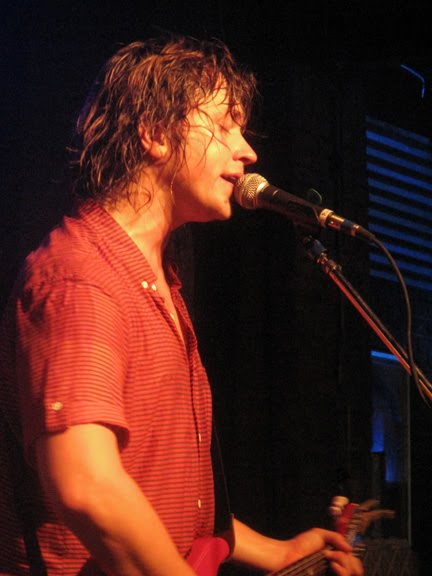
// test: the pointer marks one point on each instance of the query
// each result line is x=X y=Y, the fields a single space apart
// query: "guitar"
x=352 y=521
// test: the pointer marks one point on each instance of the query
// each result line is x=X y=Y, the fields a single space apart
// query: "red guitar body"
x=207 y=555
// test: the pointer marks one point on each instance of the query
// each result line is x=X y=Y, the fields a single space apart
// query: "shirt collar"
x=111 y=234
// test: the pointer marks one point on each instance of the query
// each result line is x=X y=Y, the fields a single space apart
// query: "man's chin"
x=226 y=213
x=223 y=212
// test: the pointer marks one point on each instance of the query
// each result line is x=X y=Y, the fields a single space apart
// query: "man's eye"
x=223 y=128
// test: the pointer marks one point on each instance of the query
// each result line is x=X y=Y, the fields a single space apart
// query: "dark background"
x=288 y=357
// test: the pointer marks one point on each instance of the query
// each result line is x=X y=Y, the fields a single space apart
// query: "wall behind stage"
x=288 y=357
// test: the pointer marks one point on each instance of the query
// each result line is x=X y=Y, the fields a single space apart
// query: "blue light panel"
x=399 y=165
x=386 y=415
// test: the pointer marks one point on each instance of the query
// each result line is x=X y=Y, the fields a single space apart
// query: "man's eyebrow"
x=234 y=114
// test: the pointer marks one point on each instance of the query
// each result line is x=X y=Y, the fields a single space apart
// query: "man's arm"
x=271 y=555
x=83 y=477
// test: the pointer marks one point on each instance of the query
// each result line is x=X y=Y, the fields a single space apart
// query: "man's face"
x=215 y=156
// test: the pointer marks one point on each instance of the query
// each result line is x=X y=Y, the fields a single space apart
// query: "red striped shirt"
x=93 y=342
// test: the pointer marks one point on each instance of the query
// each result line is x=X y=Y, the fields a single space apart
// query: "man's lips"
x=231 y=179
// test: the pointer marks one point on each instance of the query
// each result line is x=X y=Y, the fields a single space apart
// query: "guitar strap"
x=22 y=480
x=223 y=516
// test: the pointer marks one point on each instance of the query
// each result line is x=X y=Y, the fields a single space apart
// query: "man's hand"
x=336 y=549
x=272 y=555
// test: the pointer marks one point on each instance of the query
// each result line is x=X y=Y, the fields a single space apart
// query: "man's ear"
x=154 y=142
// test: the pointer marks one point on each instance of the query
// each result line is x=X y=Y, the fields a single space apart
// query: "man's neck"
x=147 y=225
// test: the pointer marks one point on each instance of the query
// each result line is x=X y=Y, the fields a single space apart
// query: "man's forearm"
x=260 y=551
x=123 y=533
x=84 y=479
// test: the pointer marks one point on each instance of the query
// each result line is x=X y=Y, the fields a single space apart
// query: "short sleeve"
x=71 y=358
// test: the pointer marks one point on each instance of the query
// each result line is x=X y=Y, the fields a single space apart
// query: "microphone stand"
x=316 y=251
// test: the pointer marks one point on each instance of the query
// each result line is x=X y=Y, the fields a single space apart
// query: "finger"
x=335 y=540
x=344 y=564
x=338 y=569
x=343 y=571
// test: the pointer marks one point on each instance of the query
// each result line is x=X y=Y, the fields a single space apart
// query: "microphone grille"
x=246 y=190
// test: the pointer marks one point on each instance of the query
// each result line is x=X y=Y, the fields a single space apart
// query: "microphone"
x=252 y=191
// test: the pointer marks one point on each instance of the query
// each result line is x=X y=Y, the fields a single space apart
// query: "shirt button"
x=144 y=284
x=57 y=406
x=199 y=503
x=153 y=287
x=199 y=437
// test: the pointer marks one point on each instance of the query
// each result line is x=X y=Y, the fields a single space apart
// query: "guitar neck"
x=313 y=565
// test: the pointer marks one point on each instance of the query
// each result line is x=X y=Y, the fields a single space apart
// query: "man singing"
x=106 y=415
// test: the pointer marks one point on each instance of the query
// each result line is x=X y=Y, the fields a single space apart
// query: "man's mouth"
x=231 y=179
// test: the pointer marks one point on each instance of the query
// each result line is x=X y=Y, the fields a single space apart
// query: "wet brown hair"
x=152 y=84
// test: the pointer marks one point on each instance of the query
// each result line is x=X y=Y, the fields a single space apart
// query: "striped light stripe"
x=399 y=164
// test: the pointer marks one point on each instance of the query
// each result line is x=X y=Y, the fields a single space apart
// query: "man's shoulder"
x=70 y=250
x=88 y=247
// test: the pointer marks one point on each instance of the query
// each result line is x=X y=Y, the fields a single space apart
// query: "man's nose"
x=244 y=152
